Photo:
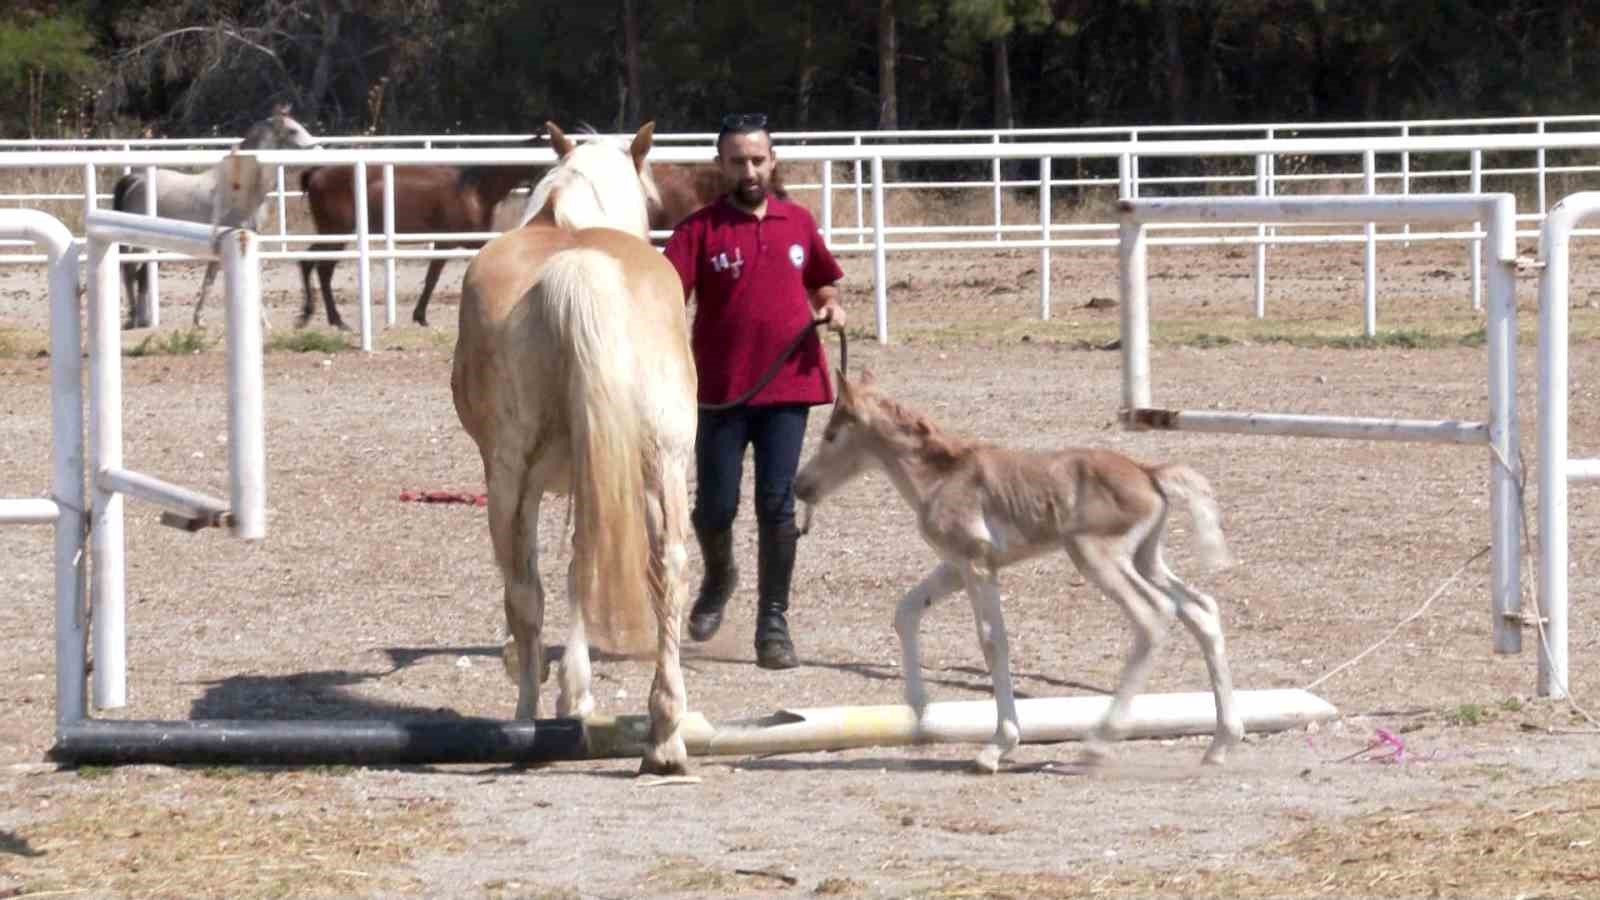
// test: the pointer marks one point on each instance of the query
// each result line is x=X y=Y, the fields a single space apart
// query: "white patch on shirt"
x=797 y=255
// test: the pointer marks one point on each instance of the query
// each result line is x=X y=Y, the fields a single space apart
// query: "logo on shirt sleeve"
x=797 y=255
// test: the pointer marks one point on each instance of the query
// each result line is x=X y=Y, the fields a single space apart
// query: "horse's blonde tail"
x=1181 y=481
x=587 y=302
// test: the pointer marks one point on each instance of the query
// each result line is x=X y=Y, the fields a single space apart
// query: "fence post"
x=388 y=244
x=827 y=202
x=1044 y=235
x=247 y=458
x=363 y=257
x=1133 y=256
x=1475 y=248
x=880 y=261
x=861 y=216
x=1505 y=475
x=152 y=274
x=1405 y=178
x=1262 y=162
x=1369 y=182
x=998 y=220
x=107 y=547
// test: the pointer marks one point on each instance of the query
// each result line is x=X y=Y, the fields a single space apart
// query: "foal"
x=982 y=508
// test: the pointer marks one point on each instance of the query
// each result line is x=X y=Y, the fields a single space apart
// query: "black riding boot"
x=716 y=548
x=775 y=571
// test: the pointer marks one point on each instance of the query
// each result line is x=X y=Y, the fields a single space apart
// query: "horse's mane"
x=596 y=186
x=937 y=446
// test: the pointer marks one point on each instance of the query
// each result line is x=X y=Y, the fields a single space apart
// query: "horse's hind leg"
x=513 y=526
x=1200 y=615
x=420 y=313
x=1105 y=562
x=130 y=291
x=205 y=288
x=575 y=697
x=668 y=514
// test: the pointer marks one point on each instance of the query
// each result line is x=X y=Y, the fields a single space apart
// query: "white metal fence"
x=1390 y=158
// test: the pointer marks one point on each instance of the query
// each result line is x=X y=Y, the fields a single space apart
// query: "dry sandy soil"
x=358 y=605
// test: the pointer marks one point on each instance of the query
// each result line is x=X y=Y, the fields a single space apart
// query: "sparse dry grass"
x=189 y=833
x=1542 y=844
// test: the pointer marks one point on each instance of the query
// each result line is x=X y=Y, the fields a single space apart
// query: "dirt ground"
x=358 y=605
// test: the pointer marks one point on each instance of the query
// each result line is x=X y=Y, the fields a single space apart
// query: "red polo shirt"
x=751 y=278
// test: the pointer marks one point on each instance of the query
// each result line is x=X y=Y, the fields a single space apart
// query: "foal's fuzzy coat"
x=983 y=507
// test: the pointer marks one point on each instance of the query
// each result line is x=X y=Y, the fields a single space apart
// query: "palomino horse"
x=218 y=197
x=427 y=199
x=573 y=374
x=982 y=507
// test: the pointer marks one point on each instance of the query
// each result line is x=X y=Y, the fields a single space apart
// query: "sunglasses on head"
x=744 y=121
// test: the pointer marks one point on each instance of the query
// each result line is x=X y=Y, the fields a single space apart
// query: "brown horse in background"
x=427 y=199
x=685 y=187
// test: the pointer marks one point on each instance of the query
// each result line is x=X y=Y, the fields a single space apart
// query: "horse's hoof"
x=988 y=761
x=583 y=709
x=420 y=320
x=648 y=766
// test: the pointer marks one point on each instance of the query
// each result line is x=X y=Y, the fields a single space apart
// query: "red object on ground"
x=444 y=497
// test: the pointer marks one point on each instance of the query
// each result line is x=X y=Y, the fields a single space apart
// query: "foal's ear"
x=641 y=144
x=558 y=140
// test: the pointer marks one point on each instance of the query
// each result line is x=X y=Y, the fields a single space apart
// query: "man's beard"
x=750 y=195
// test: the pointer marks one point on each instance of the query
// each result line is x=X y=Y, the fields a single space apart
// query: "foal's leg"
x=940 y=583
x=665 y=754
x=1200 y=615
x=1105 y=562
x=205 y=287
x=435 y=266
x=984 y=590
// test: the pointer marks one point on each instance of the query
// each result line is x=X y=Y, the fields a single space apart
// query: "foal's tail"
x=1180 y=481
x=587 y=309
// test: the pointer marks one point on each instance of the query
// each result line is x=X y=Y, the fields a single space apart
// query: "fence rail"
x=1394 y=159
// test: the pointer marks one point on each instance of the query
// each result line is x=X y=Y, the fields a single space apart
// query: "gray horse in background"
x=232 y=194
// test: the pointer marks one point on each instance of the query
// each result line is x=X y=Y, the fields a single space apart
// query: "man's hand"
x=832 y=313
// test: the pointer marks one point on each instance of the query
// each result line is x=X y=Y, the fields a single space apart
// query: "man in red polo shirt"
x=760 y=274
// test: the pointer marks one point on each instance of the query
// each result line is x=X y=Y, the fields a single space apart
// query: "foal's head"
x=597 y=183
x=866 y=426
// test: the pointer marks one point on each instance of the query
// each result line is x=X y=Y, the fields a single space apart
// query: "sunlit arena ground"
x=358 y=605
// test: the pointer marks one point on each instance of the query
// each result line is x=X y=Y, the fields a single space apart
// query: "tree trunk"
x=630 y=63
x=332 y=12
x=808 y=69
x=1177 y=85
x=1003 y=117
x=888 y=108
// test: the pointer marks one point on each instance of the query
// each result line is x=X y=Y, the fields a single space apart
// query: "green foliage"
x=1468 y=714
x=308 y=340
x=184 y=342
x=46 y=62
